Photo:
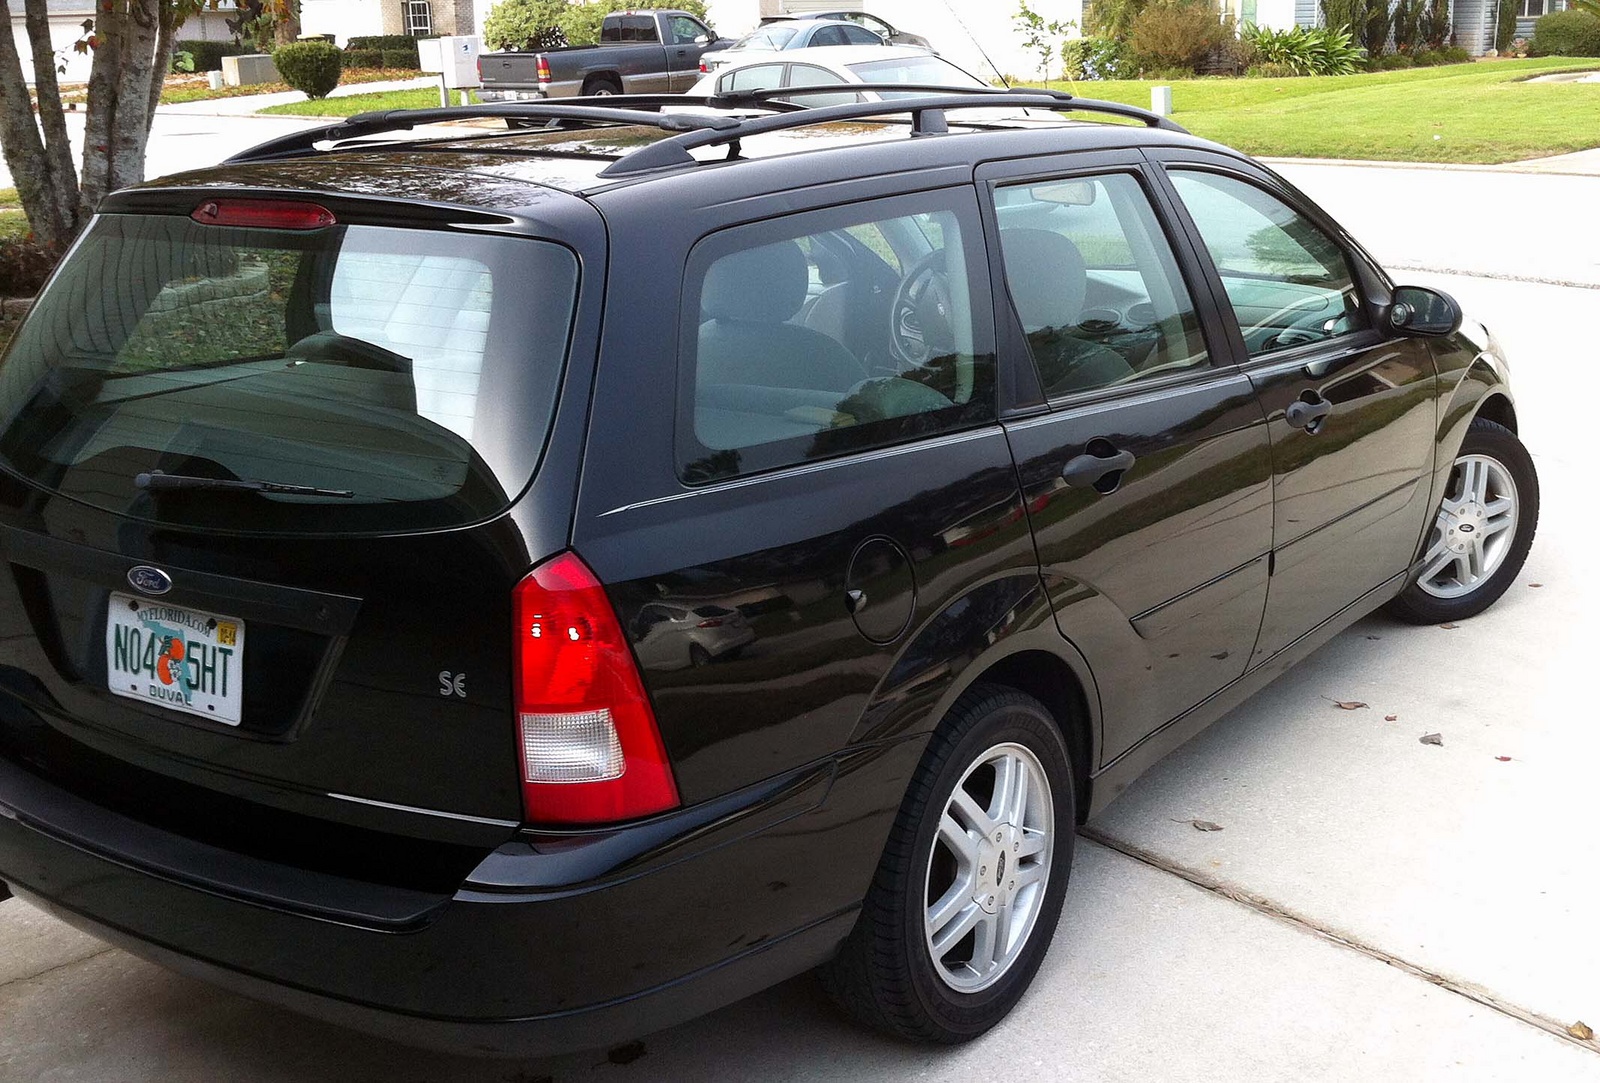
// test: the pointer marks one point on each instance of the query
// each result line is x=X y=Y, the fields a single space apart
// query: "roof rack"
x=695 y=130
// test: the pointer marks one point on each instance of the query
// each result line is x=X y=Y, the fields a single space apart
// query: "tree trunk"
x=130 y=128
x=288 y=25
x=100 y=113
x=166 y=40
x=57 y=145
x=31 y=161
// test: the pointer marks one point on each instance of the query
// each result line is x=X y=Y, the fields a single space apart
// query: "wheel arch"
x=1049 y=679
x=1497 y=407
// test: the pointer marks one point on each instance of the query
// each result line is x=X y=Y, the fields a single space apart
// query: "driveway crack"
x=52 y=969
x=1266 y=906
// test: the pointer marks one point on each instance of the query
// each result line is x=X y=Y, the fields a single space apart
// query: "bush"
x=1406 y=19
x=526 y=25
x=1306 y=50
x=1566 y=33
x=1393 y=62
x=311 y=67
x=363 y=58
x=1269 y=70
x=208 y=54
x=1454 y=54
x=1174 y=34
x=1111 y=18
x=1096 y=58
x=1435 y=28
x=382 y=42
x=400 y=58
x=1506 y=29
x=24 y=265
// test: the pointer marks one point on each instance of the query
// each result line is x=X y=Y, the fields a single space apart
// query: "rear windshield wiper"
x=156 y=481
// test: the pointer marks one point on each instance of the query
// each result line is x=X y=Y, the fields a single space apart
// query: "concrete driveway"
x=1374 y=908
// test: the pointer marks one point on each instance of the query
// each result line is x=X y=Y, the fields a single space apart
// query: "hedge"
x=400 y=58
x=208 y=54
x=1566 y=33
x=363 y=58
x=382 y=42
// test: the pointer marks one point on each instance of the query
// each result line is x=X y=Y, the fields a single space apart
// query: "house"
x=66 y=30
x=1473 y=23
x=345 y=19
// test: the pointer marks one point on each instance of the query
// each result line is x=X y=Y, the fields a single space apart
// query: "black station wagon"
x=516 y=590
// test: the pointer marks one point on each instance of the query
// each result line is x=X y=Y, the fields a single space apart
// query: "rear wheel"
x=970 y=887
x=603 y=87
x=1481 y=535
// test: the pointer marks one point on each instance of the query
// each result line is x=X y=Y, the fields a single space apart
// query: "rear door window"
x=413 y=370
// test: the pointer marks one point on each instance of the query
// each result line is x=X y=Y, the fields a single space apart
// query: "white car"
x=792 y=35
x=833 y=65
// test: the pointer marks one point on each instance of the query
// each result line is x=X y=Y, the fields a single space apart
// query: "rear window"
x=415 y=371
x=926 y=70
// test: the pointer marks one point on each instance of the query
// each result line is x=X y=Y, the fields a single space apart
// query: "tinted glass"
x=768 y=37
x=1094 y=283
x=805 y=339
x=1288 y=282
x=685 y=31
x=755 y=77
x=415 y=370
x=857 y=35
x=828 y=35
x=639 y=28
x=811 y=75
x=925 y=70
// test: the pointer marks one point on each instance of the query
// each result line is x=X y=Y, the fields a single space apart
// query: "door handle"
x=1308 y=412
x=1100 y=472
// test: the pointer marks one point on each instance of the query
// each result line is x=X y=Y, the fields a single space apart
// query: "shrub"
x=1454 y=54
x=1406 y=19
x=1096 y=58
x=1506 y=28
x=1566 y=33
x=526 y=25
x=311 y=67
x=363 y=58
x=24 y=265
x=1269 y=70
x=208 y=54
x=1435 y=28
x=1518 y=48
x=1314 y=50
x=382 y=41
x=1172 y=34
x=1393 y=62
x=401 y=58
x=1111 y=18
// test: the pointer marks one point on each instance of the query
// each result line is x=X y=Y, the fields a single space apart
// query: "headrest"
x=762 y=285
x=1047 y=277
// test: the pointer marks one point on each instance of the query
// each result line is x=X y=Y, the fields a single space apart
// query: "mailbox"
x=454 y=59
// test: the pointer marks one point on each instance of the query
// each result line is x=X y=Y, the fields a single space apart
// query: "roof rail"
x=694 y=130
x=927 y=117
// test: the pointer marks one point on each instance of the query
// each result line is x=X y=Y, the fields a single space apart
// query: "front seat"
x=745 y=336
x=1048 y=280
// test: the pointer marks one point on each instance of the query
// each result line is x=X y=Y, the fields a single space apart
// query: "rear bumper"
x=555 y=943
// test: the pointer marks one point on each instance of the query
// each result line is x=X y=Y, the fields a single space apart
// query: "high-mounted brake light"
x=264 y=214
x=590 y=748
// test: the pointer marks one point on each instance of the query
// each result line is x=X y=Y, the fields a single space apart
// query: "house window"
x=1532 y=9
x=419 y=18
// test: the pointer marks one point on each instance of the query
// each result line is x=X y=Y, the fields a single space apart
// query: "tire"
x=886 y=974
x=1466 y=563
x=599 y=88
x=699 y=657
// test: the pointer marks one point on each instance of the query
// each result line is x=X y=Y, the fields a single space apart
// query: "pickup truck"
x=640 y=52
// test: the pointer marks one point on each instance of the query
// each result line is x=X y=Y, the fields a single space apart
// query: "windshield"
x=768 y=37
x=414 y=370
x=930 y=70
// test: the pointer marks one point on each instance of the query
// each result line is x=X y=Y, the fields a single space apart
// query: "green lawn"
x=1483 y=112
x=13 y=223
x=421 y=98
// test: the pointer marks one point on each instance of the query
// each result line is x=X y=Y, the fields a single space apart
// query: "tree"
x=1040 y=36
x=132 y=42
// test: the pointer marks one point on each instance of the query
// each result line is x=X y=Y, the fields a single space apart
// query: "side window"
x=639 y=28
x=755 y=77
x=685 y=30
x=1094 y=283
x=1288 y=282
x=857 y=35
x=811 y=75
x=828 y=35
x=804 y=338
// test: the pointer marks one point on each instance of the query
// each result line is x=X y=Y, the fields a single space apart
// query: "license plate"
x=177 y=658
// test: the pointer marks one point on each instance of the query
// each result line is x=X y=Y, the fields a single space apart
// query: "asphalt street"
x=1373 y=908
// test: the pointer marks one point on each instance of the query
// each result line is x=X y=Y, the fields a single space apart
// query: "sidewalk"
x=249 y=104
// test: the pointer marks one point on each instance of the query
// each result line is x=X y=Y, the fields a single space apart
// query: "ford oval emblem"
x=148 y=580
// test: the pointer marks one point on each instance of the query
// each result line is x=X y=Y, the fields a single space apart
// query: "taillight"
x=590 y=748
x=710 y=622
x=705 y=69
x=264 y=214
x=544 y=69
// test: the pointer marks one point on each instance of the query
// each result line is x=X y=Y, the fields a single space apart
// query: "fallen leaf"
x=1374 y=637
x=1432 y=739
x=1535 y=584
x=1503 y=759
x=1391 y=717
x=1200 y=825
x=1447 y=624
x=1348 y=704
x=1581 y=1031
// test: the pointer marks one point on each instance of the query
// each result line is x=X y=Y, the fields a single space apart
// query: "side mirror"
x=703 y=39
x=1419 y=311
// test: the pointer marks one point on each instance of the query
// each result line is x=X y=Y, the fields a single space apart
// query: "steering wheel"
x=1294 y=331
x=919 y=317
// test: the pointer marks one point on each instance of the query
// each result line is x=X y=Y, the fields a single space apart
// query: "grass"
x=350 y=105
x=13 y=223
x=194 y=88
x=1480 y=113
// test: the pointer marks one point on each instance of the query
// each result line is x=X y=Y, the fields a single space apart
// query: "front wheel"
x=1481 y=535
x=971 y=883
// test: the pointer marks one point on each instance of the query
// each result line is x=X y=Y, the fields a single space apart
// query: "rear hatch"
x=255 y=464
